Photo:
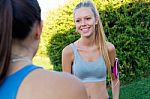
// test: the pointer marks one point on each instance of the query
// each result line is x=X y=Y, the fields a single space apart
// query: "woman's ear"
x=39 y=27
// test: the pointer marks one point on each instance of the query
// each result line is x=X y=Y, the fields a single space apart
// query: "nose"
x=83 y=23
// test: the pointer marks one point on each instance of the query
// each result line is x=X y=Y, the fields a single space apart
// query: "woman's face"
x=85 y=21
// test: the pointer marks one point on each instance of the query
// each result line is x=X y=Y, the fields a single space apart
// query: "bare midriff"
x=97 y=90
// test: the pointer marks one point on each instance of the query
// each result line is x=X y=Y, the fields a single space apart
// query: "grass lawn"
x=136 y=90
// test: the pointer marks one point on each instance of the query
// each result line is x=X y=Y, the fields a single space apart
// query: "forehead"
x=83 y=12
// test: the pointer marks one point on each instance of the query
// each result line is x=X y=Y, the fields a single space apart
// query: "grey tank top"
x=94 y=71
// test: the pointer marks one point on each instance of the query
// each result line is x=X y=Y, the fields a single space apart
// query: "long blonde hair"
x=100 y=37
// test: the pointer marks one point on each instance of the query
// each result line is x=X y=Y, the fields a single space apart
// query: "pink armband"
x=114 y=69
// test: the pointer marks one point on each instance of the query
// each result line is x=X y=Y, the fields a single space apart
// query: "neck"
x=23 y=49
x=15 y=58
x=18 y=62
x=86 y=42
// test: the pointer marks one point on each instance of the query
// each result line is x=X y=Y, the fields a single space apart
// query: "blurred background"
x=127 y=26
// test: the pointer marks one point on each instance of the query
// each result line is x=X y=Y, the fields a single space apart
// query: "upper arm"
x=67 y=59
x=112 y=56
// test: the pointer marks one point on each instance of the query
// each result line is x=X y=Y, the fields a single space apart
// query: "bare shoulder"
x=55 y=85
x=67 y=58
x=67 y=51
x=111 y=47
x=63 y=85
x=111 y=52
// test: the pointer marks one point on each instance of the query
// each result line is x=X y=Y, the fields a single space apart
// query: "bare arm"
x=115 y=82
x=67 y=59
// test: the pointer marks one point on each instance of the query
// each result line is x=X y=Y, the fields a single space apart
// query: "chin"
x=86 y=34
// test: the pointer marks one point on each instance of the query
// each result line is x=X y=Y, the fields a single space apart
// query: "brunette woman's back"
x=33 y=82
x=20 y=32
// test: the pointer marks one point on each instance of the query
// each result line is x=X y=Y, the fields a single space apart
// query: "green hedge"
x=59 y=32
x=127 y=26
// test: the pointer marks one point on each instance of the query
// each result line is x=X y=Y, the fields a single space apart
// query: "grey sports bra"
x=94 y=71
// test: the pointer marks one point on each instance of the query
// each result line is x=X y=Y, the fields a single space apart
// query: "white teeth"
x=85 y=29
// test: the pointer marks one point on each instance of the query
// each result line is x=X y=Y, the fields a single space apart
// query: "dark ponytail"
x=16 y=21
x=6 y=19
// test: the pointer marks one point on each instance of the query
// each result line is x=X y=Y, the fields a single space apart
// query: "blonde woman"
x=91 y=56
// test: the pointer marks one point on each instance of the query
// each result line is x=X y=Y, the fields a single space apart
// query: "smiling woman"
x=91 y=56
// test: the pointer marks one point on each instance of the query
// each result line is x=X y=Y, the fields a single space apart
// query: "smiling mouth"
x=85 y=29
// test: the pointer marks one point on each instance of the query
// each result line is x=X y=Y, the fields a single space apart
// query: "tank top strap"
x=14 y=81
x=75 y=51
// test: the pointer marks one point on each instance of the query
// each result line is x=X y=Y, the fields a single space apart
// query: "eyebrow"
x=84 y=16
